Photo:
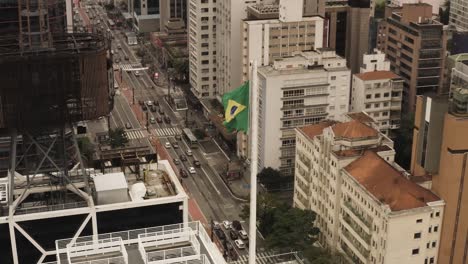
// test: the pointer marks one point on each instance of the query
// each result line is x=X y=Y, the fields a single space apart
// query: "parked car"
x=152 y=120
x=153 y=108
x=216 y=225
x=175 y=145
x=160 y=111
x=141 y=102
x=119 y=46
x=183 y=173
x=149 y=103
x=192 y=170
x=167 y=145
x=239 y=244
x=233 y=234
x=144 y=108
x=196 y=163
x=220 y=234
x=159 y=120
x=183 y=158
x=178 y=137
x=128 y=125
x=189 y=153
x=227 y=224
x=243 y=234
x=167 y=119
x=176 y=161
x=126 y=57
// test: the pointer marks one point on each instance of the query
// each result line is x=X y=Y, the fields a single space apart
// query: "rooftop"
x=354 y=130
x=387 y=184
x=361 y=117
x=359 y=152
x=314 y=130
x=377 y=75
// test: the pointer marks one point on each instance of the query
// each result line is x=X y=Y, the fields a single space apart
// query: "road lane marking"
x=212 y=184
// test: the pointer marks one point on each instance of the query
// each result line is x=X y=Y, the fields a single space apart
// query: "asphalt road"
x=205 y=186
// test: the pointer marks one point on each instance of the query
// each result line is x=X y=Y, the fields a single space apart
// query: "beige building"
x=366 y=206
x=440 y=154
x=379 y=94
x=415 y=44
x=458 y=17
x=265 y=39
x=202 y=47
x=296 y=91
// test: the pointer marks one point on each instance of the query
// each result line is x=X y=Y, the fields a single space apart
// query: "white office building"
x=295 y=91
x=374 y=61
x=366 y=206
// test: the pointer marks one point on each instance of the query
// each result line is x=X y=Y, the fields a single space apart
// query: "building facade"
x=229 y=14
x=379 y=93
x=345 y=172
x=146 y=14
x=202 y=47
x=415 y=45
x=440 y=150
x=297 y=91
x=171 y=9
x=458 y=17
x=265 y=40
x=436 y=4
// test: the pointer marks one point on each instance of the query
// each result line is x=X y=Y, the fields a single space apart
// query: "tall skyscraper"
x=202 y=47
x=440 y=151
x=415 y=44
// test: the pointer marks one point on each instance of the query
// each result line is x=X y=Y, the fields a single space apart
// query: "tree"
x=292 y=230
x=317 y=255
x=404 y=140
x=199 y=133
x=117 y=137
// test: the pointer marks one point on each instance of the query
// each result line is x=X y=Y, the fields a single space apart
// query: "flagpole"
x=253 y=163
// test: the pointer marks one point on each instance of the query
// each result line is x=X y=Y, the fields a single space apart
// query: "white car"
x=192 y=170
x=167 y=145
x=189 y=153
x=137 y=73
x=239 y=243
x=227 y=224
x=243 y=234
x=152 y=120
x=149 y=103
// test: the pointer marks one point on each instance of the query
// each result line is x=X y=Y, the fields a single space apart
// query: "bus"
x=190 y=138
x=131 y=38
x=111 y=24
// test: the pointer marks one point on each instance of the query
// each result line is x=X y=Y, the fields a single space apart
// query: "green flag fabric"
x=236 y=108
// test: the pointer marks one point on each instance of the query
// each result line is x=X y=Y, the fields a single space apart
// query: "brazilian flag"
x=236 y=108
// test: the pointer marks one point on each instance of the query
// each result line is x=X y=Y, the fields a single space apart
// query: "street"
x=205 y=186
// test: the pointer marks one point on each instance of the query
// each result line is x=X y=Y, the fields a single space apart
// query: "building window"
x=368 y=106
x=415 y=251
x=417 y=235
x=385 y=113
x=377 y=95
x=376 y=105
x=436 y=228
x=368 y=96
x=434 y=244
x=386 y=94
x=333 y=78
x=430 y=229
x=431 y=260
x=419 y=221
x=437 y=214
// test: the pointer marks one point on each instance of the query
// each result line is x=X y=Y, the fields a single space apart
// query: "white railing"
x=97 y=248
x=114 y=260
x=168 y=237
x=172 y=255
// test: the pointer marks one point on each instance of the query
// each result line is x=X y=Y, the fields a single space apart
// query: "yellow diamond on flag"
x=233 y=108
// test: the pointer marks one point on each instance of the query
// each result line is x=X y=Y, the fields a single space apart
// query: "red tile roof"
x=387 y=184
x=377 y=75
x=354 y=130
x=361 y=116
x=316 y=129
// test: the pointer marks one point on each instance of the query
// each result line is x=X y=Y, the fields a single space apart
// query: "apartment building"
x=458 y=17
x=374 y=61
x=379 y=93
x=202 y=47
x=415 y=45
x=436 y=4
x=295 y=91
x=146 y=14
x=366 y=206
x=266 y=38
x=440 y=151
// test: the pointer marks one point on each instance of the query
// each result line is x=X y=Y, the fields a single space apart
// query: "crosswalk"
x=266 y=257
x=134 y=134
x=130 y=67
x=167 y=132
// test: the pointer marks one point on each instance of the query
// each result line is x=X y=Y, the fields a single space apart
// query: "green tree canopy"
x=117 y=137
